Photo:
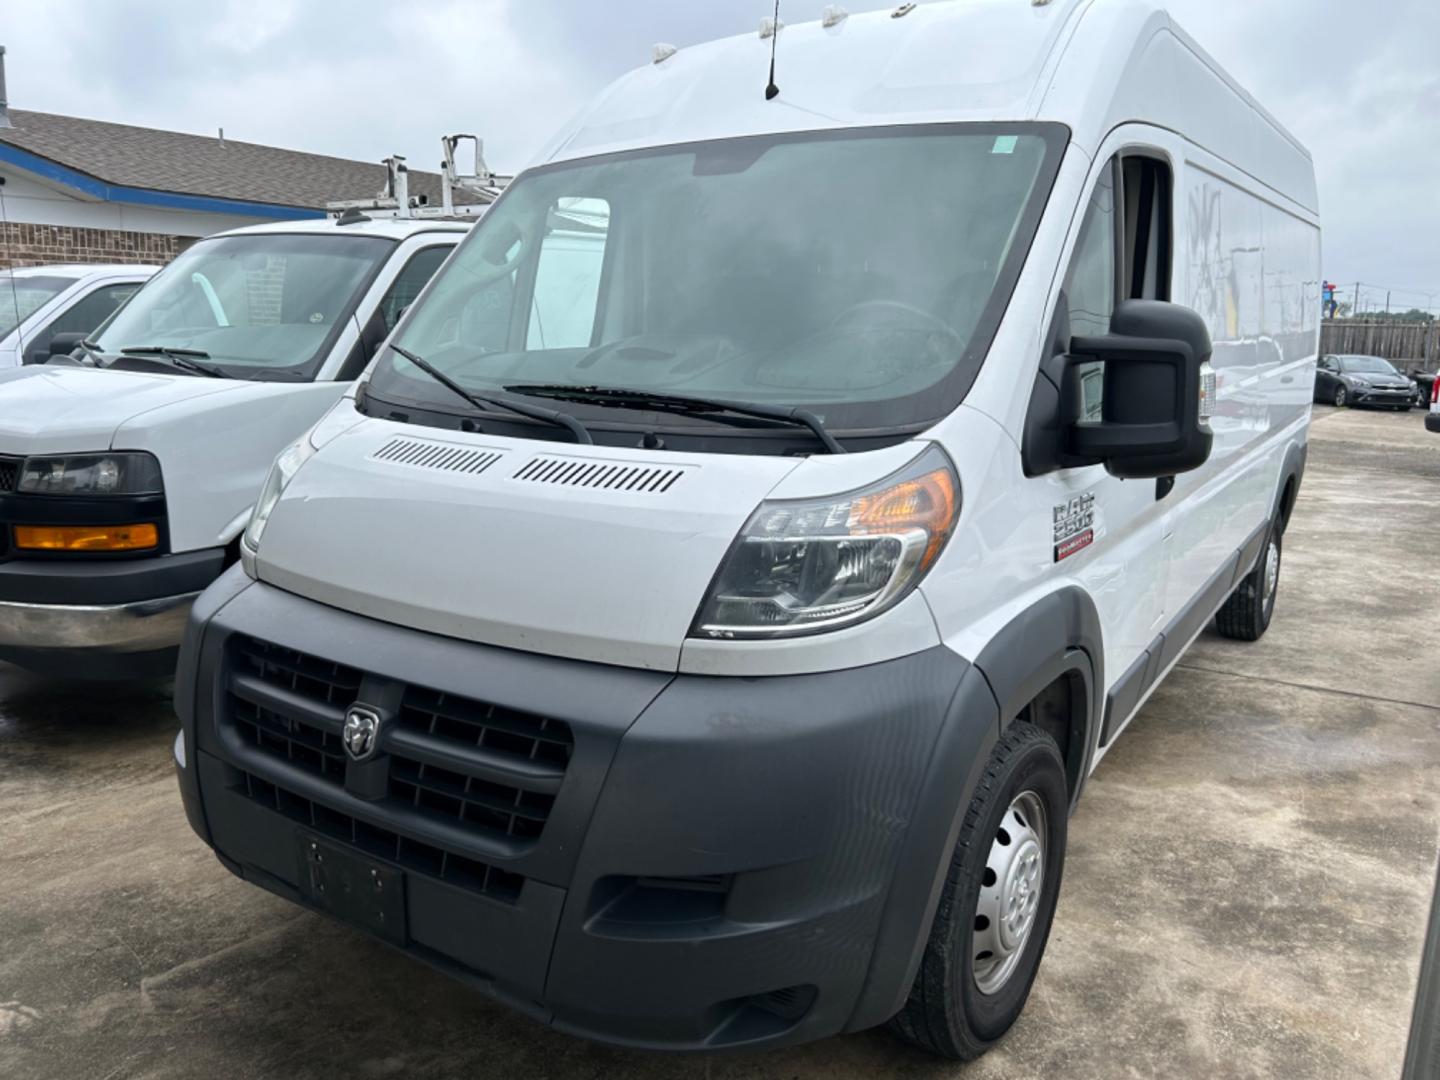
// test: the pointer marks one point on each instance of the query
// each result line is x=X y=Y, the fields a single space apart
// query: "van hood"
x=46 y=409
x=593 y=553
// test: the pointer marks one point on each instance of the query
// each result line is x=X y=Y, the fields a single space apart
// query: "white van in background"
x=891 y=436
x=39 y=303
x=125 y=479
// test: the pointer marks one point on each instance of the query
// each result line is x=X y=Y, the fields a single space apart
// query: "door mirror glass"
x=64 y=344
x=1159 y=392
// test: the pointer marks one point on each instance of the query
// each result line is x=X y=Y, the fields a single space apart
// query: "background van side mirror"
x=65 y=344
x=1156 y=373
x=58 y=345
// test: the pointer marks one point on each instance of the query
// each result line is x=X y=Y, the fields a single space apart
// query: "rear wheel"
x=1342 y=397
x=1246 y=614
x=997 y=904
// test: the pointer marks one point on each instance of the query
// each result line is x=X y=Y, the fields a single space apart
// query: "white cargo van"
x=40 y=304
x=904 y=428
x=125 y=479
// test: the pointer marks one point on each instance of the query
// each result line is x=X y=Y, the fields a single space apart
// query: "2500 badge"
x=1074 y=526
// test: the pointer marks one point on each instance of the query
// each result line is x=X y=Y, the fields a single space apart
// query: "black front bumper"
x=725 y=862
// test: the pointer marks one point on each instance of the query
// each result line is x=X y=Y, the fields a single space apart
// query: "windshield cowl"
x=630 y=428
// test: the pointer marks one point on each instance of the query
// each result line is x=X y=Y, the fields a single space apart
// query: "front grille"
x=9 y=473
x=413 y=855
x=454 y=759
x=312 y=678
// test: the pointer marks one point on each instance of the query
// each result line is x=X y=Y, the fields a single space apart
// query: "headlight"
x=281 y=473
x=91 y=474
x=807 y=566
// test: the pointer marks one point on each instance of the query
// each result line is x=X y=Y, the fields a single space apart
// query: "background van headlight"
x=281 y=473
x=130 y=473
x=807 y=566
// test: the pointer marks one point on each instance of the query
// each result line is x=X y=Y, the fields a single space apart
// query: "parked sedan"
x=1363 y=380
x=37 y=303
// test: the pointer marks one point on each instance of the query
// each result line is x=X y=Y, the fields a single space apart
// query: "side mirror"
x=59 y=345
x=65 y=344
x=1159 y=391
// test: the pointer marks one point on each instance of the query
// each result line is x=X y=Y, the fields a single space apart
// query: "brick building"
x=90 y=191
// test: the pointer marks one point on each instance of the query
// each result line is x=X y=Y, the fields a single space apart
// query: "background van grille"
x=9 y=473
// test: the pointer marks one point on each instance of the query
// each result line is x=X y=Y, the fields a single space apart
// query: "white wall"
x=30 y=200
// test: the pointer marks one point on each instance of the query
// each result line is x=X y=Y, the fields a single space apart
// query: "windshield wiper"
x=184 y=359
x=480 y=401
x=93 y=352
x=622 y=398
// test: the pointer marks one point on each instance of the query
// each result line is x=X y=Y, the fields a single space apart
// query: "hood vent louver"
x=605 y=475
x=441 y=457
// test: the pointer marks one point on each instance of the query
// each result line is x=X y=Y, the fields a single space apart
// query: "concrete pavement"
x=1246 y=891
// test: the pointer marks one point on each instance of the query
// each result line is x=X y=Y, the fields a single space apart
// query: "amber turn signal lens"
x=927 y=502
x=86 y=537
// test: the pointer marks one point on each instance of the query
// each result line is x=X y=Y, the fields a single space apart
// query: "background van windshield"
x=263 y=304
x=21 y=295
x=851 y=273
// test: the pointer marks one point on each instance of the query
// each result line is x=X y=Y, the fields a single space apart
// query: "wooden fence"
x=1413 y=342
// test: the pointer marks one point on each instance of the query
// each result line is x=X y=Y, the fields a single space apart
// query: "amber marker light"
x=86 y=537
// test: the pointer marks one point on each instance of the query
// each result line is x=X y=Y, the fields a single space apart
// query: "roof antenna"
x=772 y=91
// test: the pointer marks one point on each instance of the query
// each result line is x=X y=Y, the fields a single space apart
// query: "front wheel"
x=1342 y=397
x=997 y=904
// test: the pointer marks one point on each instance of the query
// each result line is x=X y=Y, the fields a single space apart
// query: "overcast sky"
x=365 y=78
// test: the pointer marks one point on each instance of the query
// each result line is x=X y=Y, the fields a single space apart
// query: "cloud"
x=366 y=78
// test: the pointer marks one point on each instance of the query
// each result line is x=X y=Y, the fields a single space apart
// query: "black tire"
x=947 y=1014
x=1246 y=615
x=1342 y=397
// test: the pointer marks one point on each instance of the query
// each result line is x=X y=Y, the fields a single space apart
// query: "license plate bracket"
x=351 y=887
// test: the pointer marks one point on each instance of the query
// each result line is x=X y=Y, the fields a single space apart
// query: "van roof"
x=79 y=270
x=1088 y=64
x=390 y=228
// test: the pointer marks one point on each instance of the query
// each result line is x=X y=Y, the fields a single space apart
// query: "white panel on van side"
x=1251 y=269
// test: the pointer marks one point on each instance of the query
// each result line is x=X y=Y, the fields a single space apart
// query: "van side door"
x=1108 y=532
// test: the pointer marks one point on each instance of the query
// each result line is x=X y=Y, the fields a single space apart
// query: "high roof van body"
x=698 y=627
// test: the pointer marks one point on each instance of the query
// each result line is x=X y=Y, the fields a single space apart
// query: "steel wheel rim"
x=1271 y=576
x=1010 y=891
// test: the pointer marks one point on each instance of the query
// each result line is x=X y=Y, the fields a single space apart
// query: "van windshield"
x=265 y=305
x=860 y=274
x=21 y=295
